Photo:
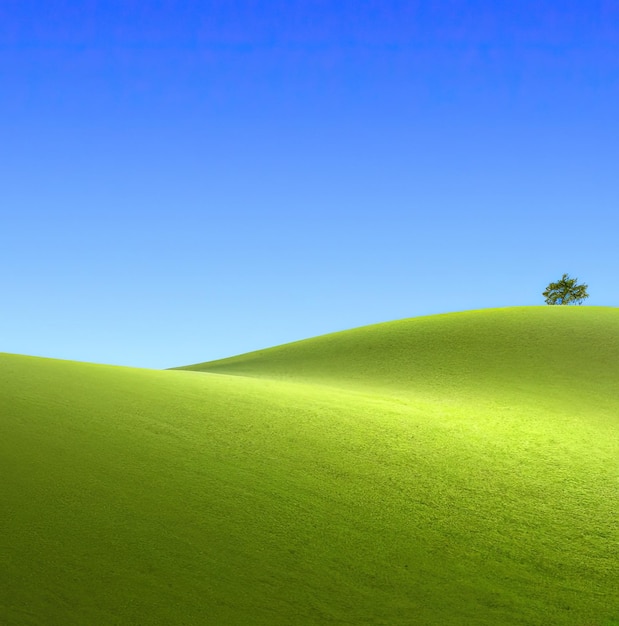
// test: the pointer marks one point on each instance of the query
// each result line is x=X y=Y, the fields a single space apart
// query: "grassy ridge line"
x=570 y=353
x=171 y=497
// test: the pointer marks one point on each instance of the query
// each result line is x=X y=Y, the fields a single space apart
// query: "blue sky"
x=184 y=181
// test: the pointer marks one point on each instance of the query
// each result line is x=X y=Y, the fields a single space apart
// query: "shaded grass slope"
x=324 y=482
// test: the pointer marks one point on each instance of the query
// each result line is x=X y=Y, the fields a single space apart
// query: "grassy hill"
x=454 y=469
x=562 y=352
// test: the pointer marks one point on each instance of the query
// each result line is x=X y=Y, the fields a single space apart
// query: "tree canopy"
x=566 y=291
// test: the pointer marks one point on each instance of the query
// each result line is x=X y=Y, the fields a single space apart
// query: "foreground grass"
x=353 y=497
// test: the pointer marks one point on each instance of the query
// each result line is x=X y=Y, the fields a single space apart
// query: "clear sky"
x=184 y=181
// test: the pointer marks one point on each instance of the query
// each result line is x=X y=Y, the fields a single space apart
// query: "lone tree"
x=565 y=291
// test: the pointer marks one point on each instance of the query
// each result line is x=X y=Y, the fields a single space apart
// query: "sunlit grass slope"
x=458 y=469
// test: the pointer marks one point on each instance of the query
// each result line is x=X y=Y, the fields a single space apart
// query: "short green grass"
x=456 y=469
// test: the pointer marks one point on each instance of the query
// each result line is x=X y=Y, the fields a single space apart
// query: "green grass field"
x=458 y=469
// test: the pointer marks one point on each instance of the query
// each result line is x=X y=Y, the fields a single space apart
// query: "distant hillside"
x=571 y=353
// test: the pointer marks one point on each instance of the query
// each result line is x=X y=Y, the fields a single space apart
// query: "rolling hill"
x=452 y=469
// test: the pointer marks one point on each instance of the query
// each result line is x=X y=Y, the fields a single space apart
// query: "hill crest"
x=510 y=348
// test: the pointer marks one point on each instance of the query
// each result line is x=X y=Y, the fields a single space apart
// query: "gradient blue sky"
x=183 y=181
